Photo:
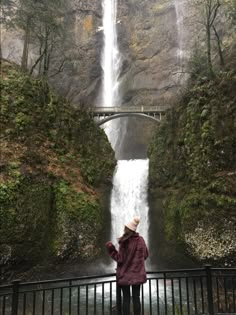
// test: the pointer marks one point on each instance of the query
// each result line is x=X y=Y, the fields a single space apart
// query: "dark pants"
x=135 y=297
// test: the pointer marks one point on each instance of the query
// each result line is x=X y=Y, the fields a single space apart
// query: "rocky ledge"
x=208 y=243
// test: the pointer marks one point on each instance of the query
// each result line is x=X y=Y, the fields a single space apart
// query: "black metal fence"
x=178 y=292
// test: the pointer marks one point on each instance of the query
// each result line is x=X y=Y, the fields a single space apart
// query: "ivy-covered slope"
x=192 y=156
x=53 y=158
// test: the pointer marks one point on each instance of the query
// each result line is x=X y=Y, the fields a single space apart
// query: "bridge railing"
x=131 y=109
x=178 y=292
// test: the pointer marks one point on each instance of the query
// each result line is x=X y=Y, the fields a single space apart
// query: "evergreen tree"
x=43 y=25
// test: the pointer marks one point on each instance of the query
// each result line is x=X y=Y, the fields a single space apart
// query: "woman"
x=130 y=265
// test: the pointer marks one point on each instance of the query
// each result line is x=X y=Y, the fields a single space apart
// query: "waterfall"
x=129 y=196
x=182 y=52
x=111 y=65
x=110 y=56
x=179 y=10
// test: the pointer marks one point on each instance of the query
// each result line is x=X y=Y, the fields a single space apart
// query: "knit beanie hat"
x=133 y=224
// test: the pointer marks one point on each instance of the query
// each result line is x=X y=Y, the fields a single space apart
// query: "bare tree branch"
x=214 y=11
x=37 y=61
x=61 y=68
x=219 y=44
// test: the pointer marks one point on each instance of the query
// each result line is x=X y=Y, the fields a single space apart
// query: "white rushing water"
x=111 y=65
x=110 y=56
x=179 y=9
x=129 y=196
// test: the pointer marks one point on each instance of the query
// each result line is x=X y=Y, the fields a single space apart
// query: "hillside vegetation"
x=53 y=161
x=192 y=157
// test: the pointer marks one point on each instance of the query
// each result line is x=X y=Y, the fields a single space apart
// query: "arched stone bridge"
x=105 y=114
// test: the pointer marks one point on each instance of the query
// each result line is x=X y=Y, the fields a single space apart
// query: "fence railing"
x=178 y=292
x=130 y=109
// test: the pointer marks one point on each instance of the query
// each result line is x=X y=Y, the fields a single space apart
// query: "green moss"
x=77 y=205
x=192 y=155
x=25 y=218
x=79 y=220
x=32 y=112
x=52 y=160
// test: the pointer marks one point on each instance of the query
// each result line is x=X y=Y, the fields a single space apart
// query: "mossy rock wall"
x=26 y=219
x=193 y=158
x=54 y=159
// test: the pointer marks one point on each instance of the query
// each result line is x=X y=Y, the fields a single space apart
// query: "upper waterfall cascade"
x=179 y=21
x=111 y=65
x=110 y=55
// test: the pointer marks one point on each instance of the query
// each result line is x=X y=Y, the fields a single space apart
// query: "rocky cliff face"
x=148 y=39
x=56 y=167
x=155 y=40
x=150 y=52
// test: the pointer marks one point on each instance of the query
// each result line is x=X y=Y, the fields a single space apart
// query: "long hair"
x=126 y=235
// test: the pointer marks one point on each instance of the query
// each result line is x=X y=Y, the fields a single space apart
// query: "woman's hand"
x=109 y=244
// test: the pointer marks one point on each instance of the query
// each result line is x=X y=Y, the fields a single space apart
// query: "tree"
x=49 y=33
x=5 y=12
x=219 y=46
x=42 y=22
x=208 y=10
x=19 y=14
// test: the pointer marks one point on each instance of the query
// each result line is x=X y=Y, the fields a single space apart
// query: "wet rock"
x=209 y=243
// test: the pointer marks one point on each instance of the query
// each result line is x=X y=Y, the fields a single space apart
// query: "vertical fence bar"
x=180 y=297
x=95 y=299
x=158 y=303
x=52 y=302
x=3 y=304
x=173 y=296
x=225 y=292
x=234 y=299
x=165 y=295
x=103 y=299
x=195 y=296
x=118 y=299
x=218 y=294
x=86 y=299
x=209 y=290
x=70 y=283
x=61 y=301
x=24 y=303
x=150 y=296
x=187 y=293
x=142 y=300
x=78 y=301
x=34 y=302
x=202 y=296
x=43 y=303
x=110 y=297
x=15 y=297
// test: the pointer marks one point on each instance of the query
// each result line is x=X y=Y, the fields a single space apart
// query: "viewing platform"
x=168 y=292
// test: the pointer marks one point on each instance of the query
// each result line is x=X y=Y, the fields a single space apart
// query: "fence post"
x=209 y=289
x=15 y=297
x=118 y=300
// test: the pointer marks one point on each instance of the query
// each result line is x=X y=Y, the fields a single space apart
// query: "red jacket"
x=130 y=260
